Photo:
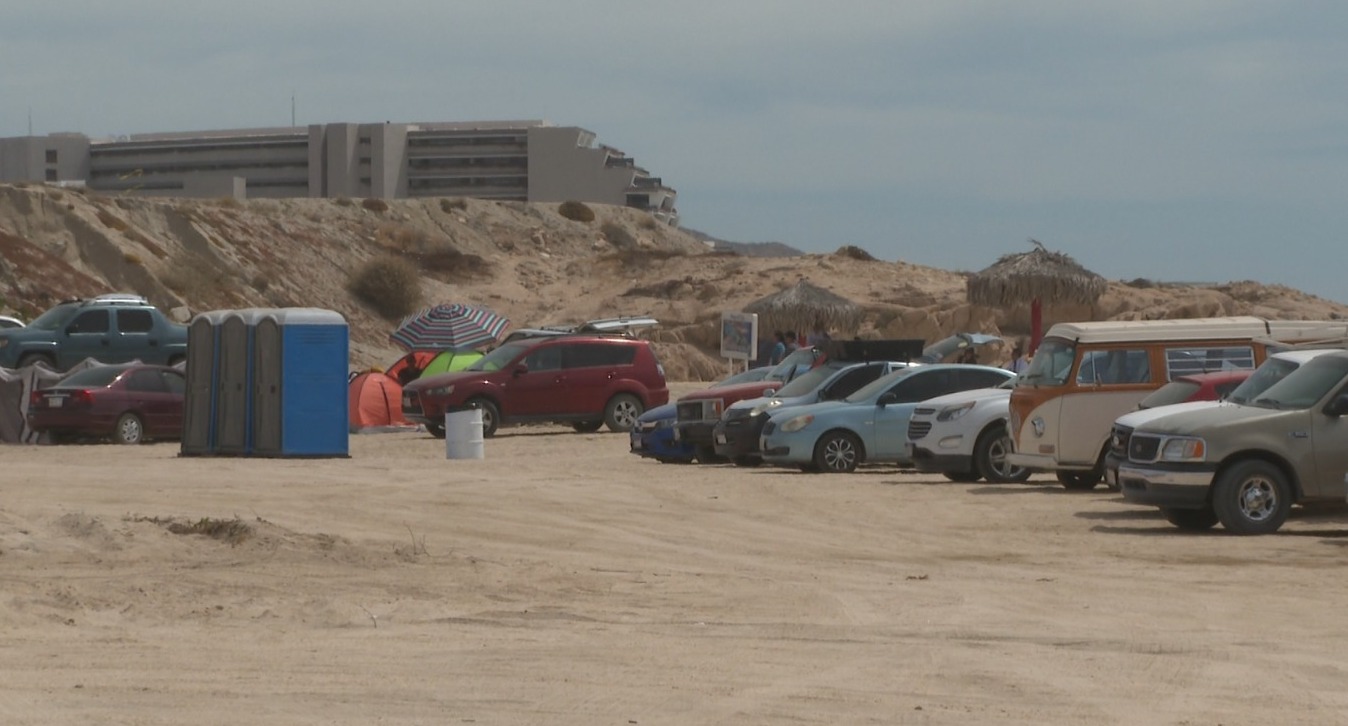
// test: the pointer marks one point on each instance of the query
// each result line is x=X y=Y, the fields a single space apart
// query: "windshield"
x=56 y=318
x=793 y=365
x=1050 y=365
x=1272 y=371
x=497 y=359
x=878 y=386
x=806 y=382
x=1306 y=385
x=92 y=377
x=1172 y=392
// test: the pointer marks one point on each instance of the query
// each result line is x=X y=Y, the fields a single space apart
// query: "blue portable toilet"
x=299 y=383
x=202 y=372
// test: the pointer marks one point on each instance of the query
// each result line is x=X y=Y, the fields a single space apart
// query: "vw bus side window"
x=1100 y=367
x=1188 y=361
x=1051 y=363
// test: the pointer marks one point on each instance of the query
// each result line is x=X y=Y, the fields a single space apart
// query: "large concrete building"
x=529 y=161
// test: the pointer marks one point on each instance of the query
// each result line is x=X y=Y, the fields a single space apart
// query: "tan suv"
x=1245 y=464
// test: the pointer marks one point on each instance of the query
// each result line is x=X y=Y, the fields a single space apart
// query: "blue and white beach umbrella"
x=449 y=327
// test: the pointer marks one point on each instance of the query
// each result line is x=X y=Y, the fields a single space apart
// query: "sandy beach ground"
x=562 y=580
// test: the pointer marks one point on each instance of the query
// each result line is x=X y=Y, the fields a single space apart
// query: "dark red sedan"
x=129 y=403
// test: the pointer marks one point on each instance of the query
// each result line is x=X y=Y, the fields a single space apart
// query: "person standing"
x=791 y=345
x=1018 y=362
x=778 y=349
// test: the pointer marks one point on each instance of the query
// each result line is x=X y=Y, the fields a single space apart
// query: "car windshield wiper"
x=1269 y=402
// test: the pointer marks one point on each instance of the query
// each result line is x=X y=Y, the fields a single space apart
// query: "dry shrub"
x=261 y=282
x=111 y=220
x=229 y=203
x=233 y=531
x=389 y=284
x=132 y=258
x=342 y=202
x=375 y=204
x=647 y=222
x=855 y=253
x=576 y=211
x=450 y=265
x=56 y=195
x=452 y=204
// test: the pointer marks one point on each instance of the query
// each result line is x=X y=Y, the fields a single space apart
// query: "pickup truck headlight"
x=797 y=423
x=440 y=390
x=950 y=413
x=1183 y=449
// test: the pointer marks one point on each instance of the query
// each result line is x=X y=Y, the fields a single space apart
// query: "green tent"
x=449 y=361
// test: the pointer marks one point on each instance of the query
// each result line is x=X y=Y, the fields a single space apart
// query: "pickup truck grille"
x=769 y=427
x=1143 y=448
x=918 y=429
x=706 y=409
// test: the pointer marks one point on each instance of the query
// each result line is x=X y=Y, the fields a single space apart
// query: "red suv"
x=585 y=380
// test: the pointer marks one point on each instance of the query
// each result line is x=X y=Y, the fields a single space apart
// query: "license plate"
x=720 y=438
x=55 y=402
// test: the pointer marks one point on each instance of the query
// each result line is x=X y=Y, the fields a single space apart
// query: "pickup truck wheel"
x=622 y=412
x=1078 y=480
x=129 y=429
x=990 y=458
x=837 y=452
x=962 y=477
x=1252 y=497
x=1194 y=520
x=491 y=415
x=28 y=359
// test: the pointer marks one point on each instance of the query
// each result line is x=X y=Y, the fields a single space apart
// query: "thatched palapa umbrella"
x=805 y=307
x=1034 y=277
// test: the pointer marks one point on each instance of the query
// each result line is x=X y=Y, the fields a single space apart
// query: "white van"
x=1085 y=375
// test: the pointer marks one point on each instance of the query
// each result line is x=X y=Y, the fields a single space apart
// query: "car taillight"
x=82 y=398
x=34 y=398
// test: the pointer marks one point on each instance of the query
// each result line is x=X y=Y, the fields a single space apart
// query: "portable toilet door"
x=203 y=364
x=311 y=367
x=266 y=419
x=231 y=390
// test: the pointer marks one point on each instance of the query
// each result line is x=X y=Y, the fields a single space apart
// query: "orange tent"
x=373 y=401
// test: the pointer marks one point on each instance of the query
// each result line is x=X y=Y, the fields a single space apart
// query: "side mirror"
x=1339 y=406
x=887 y=398
x=520 y=369
x=768 y=392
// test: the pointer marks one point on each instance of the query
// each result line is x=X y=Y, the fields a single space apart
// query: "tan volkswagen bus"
x=1085 y=375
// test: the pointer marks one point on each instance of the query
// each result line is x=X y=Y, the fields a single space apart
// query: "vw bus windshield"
x=1050 y=365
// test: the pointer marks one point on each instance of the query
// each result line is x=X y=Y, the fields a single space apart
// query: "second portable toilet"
x=299 y=388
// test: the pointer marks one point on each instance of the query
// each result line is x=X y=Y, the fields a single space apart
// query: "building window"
x=51 y=175
x=51 y=156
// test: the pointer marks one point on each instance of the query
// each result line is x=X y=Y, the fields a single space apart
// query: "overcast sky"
x=1173 y=140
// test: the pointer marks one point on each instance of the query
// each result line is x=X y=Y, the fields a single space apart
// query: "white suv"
x=963 y=436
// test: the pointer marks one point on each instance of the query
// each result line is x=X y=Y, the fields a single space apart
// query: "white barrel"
x=463 y=434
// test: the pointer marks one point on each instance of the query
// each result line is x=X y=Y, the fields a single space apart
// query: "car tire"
x=747 y=461
x=990 y=457
x=1192 y=520
x=491 y=415
x=837 y=452
x=28 y=359
x=962 y=477
x=1252 y=497
x=436 y=430
x=129 y=429
x=587 y=427
x=622 y=411
x=1078 y=481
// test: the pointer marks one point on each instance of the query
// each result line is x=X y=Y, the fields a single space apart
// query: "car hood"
x=1145 y=416
x=977 y=394
x=813 y=409
x=1192 y=421
x=659 y=413
x=736 y=392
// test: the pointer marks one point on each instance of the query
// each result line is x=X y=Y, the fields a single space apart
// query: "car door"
x=87 y=335
x=541 y=389
x=148 y=394
x=592 y=368
x=891 y=419
x=133 y=339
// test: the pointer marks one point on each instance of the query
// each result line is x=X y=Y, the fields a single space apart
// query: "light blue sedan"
x=868 y=426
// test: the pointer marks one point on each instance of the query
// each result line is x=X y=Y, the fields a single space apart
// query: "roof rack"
x=127 y=298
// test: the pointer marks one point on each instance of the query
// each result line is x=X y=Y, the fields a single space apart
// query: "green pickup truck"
x=115 y=328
